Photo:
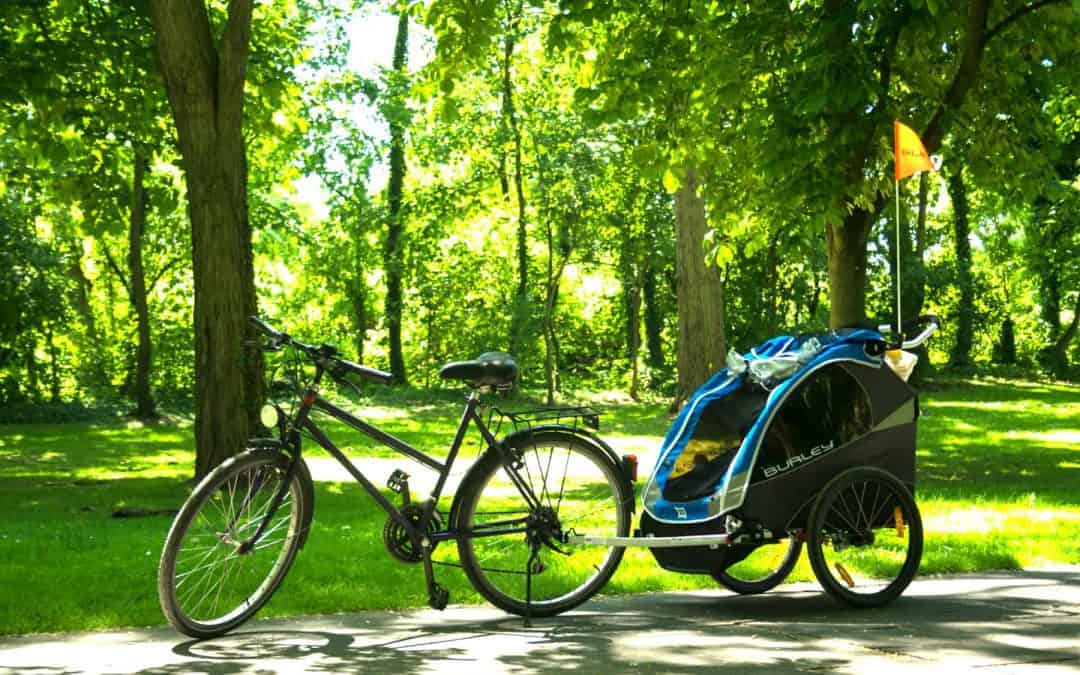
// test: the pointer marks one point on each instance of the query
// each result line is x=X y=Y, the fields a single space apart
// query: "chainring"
x=396 y=538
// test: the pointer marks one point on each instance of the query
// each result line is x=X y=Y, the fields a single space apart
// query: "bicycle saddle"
x=491 y=369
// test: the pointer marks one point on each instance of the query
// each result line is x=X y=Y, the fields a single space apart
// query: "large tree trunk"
x=205 y=82
x=847 y=268
x=144 y=400
x=700 y=291
x=394 y=259
x=965 y=321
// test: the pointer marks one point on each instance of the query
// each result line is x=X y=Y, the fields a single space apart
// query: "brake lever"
x=342 y=378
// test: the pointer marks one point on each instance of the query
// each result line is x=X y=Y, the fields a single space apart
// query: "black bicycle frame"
x=313 y=401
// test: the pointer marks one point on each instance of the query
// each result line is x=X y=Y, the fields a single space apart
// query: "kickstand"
x=529 y=566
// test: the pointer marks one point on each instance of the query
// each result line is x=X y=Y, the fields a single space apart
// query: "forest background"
x=615 y=192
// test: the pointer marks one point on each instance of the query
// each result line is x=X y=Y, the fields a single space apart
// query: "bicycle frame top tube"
x=312 y=400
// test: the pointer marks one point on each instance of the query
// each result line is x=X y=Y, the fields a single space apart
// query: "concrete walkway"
x=1025 y=622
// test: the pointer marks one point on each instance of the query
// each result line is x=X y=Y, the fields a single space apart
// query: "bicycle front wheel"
x=206 y=583
x=579 y=488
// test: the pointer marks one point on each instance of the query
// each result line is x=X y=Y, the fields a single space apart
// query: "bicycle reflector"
x=629 y=467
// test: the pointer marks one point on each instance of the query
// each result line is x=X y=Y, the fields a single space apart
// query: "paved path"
x=1027 y=622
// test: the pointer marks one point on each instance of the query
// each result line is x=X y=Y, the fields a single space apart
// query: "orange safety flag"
x=911 y=156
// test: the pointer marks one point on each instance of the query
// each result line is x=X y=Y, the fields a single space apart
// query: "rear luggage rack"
x=575 y=416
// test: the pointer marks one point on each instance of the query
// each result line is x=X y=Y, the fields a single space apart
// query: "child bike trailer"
x=802 y=439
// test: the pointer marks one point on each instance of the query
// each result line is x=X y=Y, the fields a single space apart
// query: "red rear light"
x=629 y=467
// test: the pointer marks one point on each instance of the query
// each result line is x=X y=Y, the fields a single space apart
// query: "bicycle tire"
x=611 y=518
x=259 y=469
x=833 y=518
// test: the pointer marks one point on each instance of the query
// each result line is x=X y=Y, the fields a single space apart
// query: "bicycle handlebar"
x=929 y=324
x=932 y=324
x=371 y=374
x=325 y=355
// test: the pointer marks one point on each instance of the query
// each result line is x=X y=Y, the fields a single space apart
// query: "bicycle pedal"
x=439 y=597
x=398 y=482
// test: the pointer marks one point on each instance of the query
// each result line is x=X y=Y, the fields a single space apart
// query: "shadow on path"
x=993 y=622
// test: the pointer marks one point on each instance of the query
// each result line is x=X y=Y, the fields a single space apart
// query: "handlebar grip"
x=370 y=374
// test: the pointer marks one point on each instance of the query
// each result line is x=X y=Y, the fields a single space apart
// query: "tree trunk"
x=144 y=400
x=520 y=315
x=654 y=344
x=394 y=258
x=1047 y=272
x=91 y=346
x=358 y=295
x=630 y=273
x=554 y=274
x=205 y=83
x=847 y=268
x=1005 y=349
x=961 y=353
x=30 y=362
x=633 y=333
x=1060 y=354
x=54 y=366
x=918 y=261
x=700 y=292
x=772 y=284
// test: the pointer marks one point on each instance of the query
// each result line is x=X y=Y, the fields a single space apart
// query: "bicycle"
x=514 y=518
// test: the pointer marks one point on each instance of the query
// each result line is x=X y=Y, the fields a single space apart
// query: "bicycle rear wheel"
x=579 y=487
x=206 y=585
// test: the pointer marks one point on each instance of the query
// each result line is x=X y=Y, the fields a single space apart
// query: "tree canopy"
x=617 y=191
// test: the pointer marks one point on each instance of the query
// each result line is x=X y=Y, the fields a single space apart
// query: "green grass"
x=999 y=471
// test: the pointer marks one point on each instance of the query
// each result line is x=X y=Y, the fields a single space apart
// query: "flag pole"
x=898 y=260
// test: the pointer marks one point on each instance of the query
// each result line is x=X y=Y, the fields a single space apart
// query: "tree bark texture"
x=394 y=259
x=205 y=83
x=700 y=292
x=965 y=320
x=144 y=400
x=847 y=268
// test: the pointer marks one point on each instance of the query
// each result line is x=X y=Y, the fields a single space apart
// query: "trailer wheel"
x=865 y=537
